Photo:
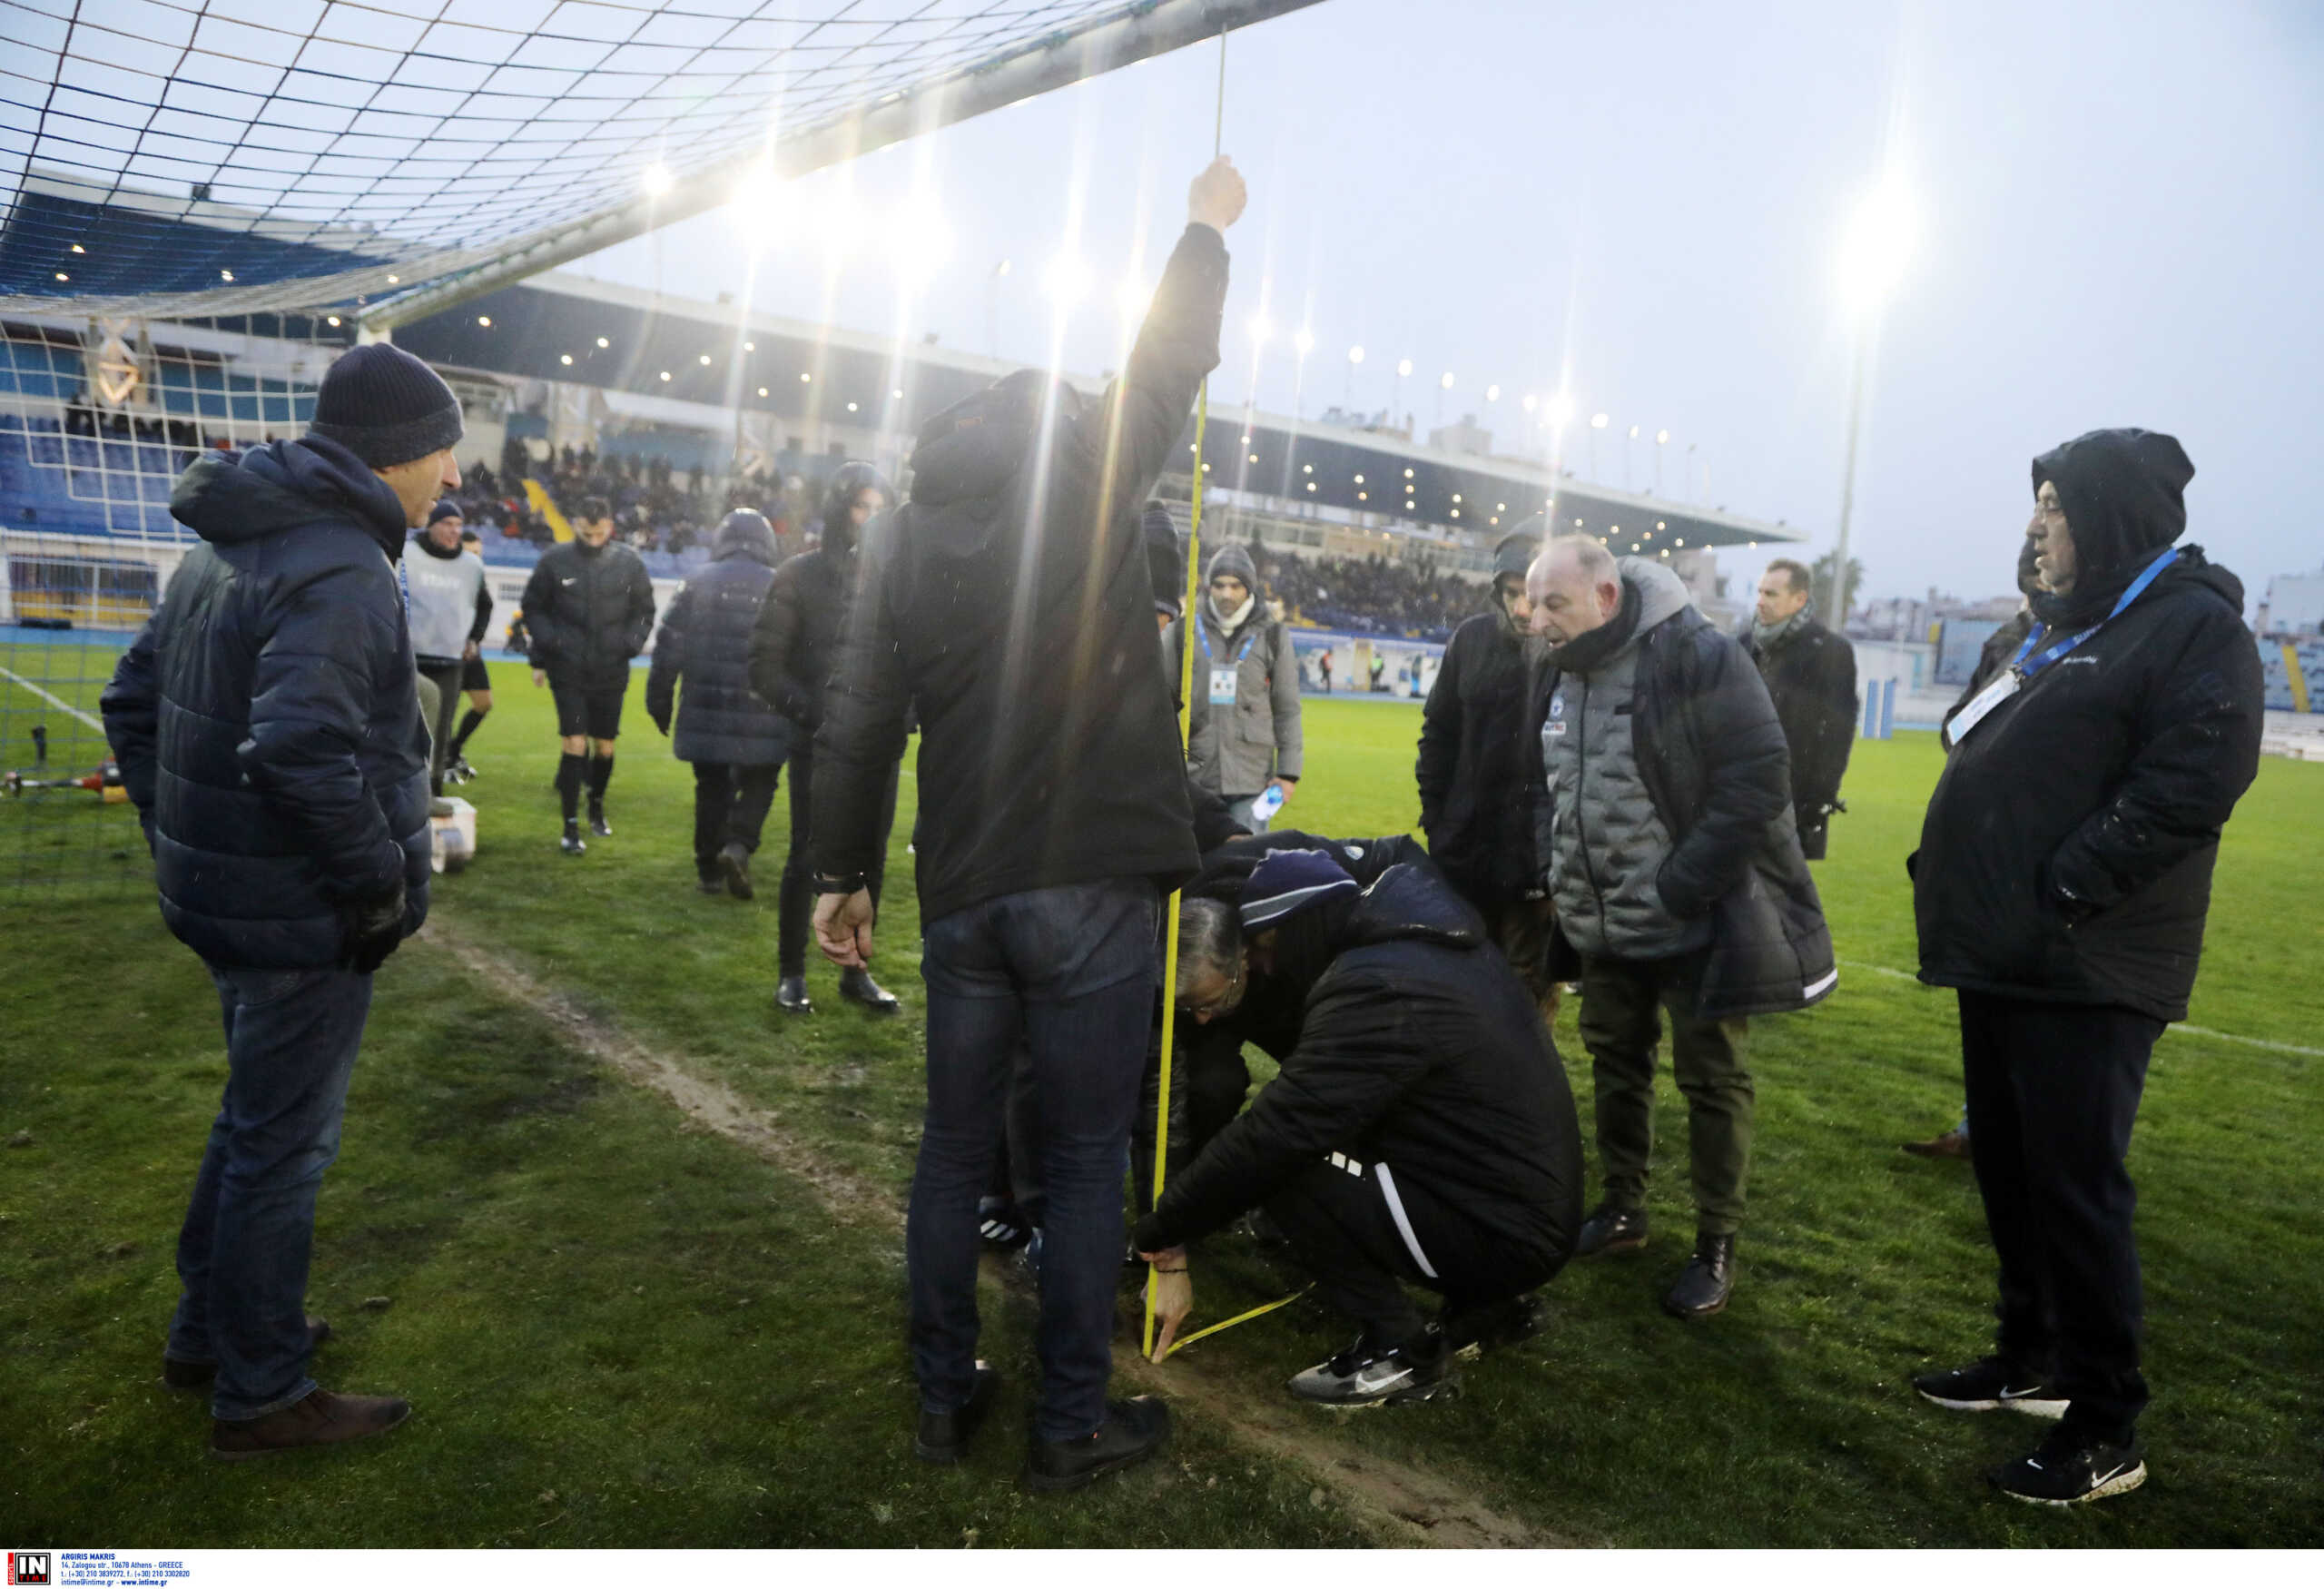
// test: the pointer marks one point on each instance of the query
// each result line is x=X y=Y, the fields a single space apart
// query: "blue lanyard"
x=2026 y=670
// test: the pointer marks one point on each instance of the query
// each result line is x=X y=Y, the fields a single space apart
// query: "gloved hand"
x=374 y=928
x=662 y=721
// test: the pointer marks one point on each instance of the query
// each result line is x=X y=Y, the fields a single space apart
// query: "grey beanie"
x=1235 y=562
x=385 y=406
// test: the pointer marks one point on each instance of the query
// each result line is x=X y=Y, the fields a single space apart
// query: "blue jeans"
x=292 y=1038
x=1072 y=971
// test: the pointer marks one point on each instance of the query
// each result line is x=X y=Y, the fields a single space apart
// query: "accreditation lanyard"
x=2026 y=664
x=1222 y=680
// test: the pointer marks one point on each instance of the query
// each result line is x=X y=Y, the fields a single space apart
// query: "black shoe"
x=571 y=843
x=1134 y=1430
x=945 y=1437
x=735 y=861
x=1366 y=1376
x=597 y=823
x=183 y=1375
x=711 y=887
x=1611 y=1230
x=1002 y=1227
x=857 y=987
x=1472 y=1332
x=459 y=772
x=2072 y=1465
x=1707 y=1281
x=791 y=993
x=1992 y=1385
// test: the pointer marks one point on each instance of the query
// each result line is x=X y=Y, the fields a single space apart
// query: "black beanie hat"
x=385 y=406
x=445 y=508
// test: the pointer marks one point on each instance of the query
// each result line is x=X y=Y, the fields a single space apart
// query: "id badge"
x=1222 y=686
x=2005 y=684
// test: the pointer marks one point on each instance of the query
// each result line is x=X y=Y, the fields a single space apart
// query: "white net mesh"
x=221 y=157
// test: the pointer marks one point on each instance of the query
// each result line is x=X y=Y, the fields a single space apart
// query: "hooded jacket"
x=1417 y=1048
x=1008 y=602
x=1242 y=733
x=796 y=639
x=1710 y=760
x=705 y=645
x=588 y=610
x=2067 y=850
x=267 y=716
x=1473 y=799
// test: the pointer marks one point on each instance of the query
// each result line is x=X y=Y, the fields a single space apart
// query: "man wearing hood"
x=1420 y=1130
x=1810 y=672
x=267 y=724
x=588 y=609
x=2061 y=886
x=1008 y=602
x=1471 y=773
x=1662 y=819
x=450 y=610
x=1243 y=729
x=733 y=740
x=792 y=648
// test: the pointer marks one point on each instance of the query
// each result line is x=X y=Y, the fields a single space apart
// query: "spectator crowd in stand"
x=658 y=505
x=1369 y=596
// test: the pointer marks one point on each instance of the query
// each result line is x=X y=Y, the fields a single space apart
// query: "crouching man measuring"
x=1420 y=1132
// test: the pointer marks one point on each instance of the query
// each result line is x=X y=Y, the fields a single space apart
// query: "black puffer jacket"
x=1712 y=755
x=1010 y=604
x=705 y=643
x=267 y=717
x=1419 y=1049
x=588 y=609
x=1810 y=675
x=2067 y=850
x=796 y=639
x=1473 y=802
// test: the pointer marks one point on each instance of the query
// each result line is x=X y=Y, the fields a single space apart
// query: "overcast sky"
x=2120 y=217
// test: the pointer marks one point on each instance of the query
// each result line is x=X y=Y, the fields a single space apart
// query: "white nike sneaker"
x=1365 y=1375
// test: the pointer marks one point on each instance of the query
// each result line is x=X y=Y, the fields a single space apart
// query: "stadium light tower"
x=1403 y=368
x=1597 y=422
x=1354 y=358
x=1872 y=263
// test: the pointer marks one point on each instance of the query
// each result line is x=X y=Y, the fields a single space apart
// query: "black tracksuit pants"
x=730 y=804
x=1341 y=1223
x=2052 y=1091
x=795 y=909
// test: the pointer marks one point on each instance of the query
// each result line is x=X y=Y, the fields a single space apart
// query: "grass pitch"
x=619 y=1328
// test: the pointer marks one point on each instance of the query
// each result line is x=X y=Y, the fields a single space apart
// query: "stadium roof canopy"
x=230 y=157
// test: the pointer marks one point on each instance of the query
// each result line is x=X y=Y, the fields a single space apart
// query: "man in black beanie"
x=267 y=724
x=588 y=609
x=2061 y=887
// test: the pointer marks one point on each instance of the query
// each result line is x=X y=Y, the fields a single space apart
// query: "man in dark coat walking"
x=2062 y=884
x=1420 y=1130
x=1008 y=602
x=734 y=741
x=588 y=609
x=267 y=724
x=1662 y=817
x=792 y=648
x=1811 y=674
x=1470 y=769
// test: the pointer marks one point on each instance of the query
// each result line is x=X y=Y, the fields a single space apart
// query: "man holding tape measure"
x=1008 y=602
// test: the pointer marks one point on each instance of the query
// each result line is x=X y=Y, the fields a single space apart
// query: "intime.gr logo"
x=28 y=1567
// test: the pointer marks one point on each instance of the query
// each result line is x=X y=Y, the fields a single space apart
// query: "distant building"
x=2294 y=605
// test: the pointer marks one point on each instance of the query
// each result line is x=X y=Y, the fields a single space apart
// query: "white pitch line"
x=2181 y=1027
x=51 y=700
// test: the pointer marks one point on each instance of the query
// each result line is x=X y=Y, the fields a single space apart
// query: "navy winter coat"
x=705 y=641
x=267 y=717
x=1473 y=800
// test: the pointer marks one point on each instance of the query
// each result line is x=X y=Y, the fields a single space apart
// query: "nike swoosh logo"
x=2102 y=1478
x=1368 y=1382
x=2036 y=1466
x=2006 y=1394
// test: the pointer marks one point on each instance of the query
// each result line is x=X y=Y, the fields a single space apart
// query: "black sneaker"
x=2071 y=1467
x=1134 y=1430
x=1707 y=1282
x=571 y=843
x=1472 y=1332
x=791 y=995
x=943 y=1438
x=459 y=772
x=1991 y=1385
x=735 y=861
x=597 y=823
x=1611 y=1230
x=1002 y=1227
x=1366 y=1376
